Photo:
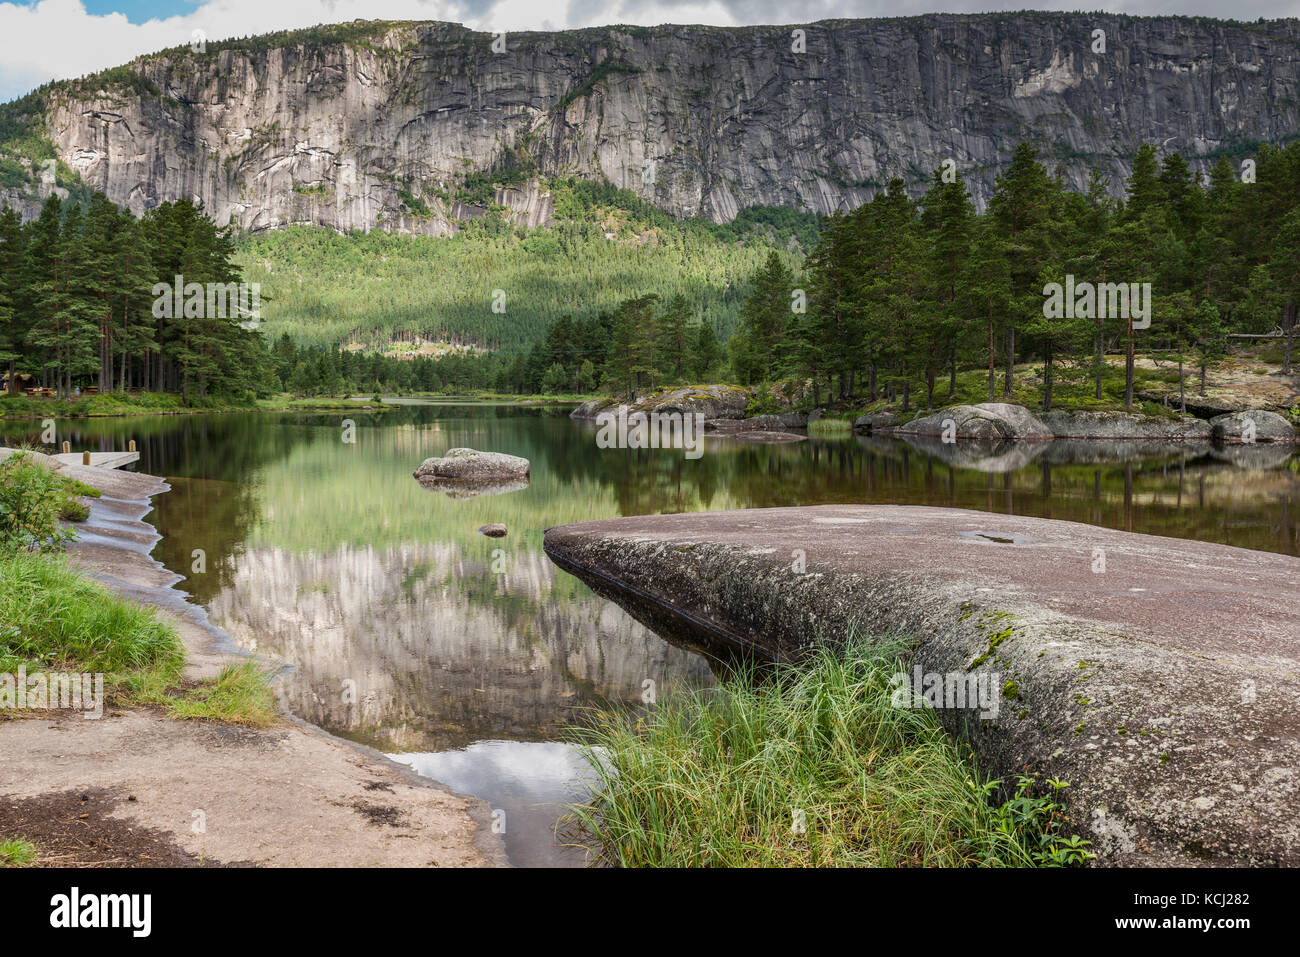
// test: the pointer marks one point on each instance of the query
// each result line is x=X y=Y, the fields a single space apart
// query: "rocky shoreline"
x=288 y=795
x=724 y=410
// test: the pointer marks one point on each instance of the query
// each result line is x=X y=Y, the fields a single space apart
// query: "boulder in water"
x=988 y=420
x=1263 y=426
x=473 y=465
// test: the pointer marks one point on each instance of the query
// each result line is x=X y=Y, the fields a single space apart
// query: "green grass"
x=71 y=508
x=15 y=852
x=721 y=778
x=831 y=427
x=241 y=694
x=109 y=403
x=52 y=618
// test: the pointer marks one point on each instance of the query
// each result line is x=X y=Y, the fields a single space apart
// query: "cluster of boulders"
x=995 y=421
x=723 y=408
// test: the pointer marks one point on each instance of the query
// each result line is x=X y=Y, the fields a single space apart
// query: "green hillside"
x=321 y=287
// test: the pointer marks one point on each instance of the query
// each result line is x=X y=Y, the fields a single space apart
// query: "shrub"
x=32 y=500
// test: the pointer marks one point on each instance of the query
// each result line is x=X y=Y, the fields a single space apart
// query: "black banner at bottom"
x=493 y=907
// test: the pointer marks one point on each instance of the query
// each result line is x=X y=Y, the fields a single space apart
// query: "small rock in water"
x=494 y=530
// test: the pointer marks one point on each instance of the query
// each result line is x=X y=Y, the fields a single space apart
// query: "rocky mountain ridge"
x=418 y=127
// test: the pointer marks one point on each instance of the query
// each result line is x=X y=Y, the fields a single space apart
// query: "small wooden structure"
x=99 y=460
x=22 y=382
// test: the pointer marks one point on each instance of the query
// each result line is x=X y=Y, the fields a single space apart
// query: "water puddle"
x=528 y=785
x=1000 y=538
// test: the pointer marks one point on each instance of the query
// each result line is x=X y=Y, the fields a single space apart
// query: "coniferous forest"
x=77 y=302
x=893 y=299
x=901 y=295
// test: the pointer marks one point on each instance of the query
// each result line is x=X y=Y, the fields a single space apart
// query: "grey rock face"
x=473 y=465
x=1122 y=425
x=987 y=421
x=1252 y=425
x=380 y=131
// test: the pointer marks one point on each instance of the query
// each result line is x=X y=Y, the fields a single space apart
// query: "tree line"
x=899 y=293
x=643 y=342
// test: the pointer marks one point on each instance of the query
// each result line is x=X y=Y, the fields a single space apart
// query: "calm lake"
x=469 y=657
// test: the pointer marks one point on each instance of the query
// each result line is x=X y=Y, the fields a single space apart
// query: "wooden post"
x=67 y=448
x=131 y=446
x=85 y=458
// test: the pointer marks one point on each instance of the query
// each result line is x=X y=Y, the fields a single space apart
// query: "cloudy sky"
x=51 y=39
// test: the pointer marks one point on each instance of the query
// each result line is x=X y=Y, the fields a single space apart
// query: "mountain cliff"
x=416 y=127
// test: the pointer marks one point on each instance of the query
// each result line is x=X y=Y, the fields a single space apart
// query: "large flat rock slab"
x=1158 y=676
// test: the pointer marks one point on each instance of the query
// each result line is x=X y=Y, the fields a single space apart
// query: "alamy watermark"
x=209 y=300
x=53 y=689
x=1106 y=300
x=955 y=689
x=653 y=430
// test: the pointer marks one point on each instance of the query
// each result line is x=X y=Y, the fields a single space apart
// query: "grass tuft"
x=241 y=694
x=54 y=619
x=804 y=766
x=831 y=427
x=15 y=852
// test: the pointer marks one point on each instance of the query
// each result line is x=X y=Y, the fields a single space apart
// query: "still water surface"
x=468 y=657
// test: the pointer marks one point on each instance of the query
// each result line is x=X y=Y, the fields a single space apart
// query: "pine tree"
x=674 y=338
x=764 y=318
x=13 y=284
x=948 y=220
x=708 y=351
x=1022 y=208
